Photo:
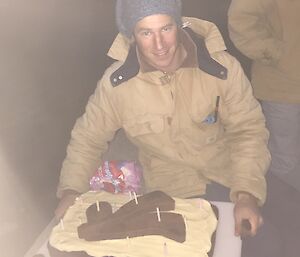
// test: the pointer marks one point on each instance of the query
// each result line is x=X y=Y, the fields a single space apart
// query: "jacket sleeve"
x=245 y=135
x=255 y=29
x=89 y=140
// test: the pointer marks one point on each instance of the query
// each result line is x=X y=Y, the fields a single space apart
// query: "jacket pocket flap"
x=146 y=124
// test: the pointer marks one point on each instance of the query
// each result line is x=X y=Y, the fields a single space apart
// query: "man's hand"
x=247 y=215
x=68 y=199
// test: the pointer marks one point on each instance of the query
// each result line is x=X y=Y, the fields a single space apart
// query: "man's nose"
x=158 y=41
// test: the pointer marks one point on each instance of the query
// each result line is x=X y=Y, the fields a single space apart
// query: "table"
x=227 y=245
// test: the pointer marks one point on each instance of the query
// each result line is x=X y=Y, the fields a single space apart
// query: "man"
x=267 y=31
x=184 y=102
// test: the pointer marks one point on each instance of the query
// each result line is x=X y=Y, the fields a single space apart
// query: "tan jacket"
x=267 y=31
x=179 y=149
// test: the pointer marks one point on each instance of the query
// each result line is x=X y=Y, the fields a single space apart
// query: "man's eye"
x=167 y=28
x=146 y=33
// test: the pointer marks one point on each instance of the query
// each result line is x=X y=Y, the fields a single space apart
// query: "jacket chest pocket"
x=207 y=127
x=144 y=125
x=210 y=131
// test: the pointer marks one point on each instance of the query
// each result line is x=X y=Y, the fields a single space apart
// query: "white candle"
x=128 y=241
x=135 y=198
x=165 y=249
x=185 y=221
x=98 y=207
x=200 y=203
x=62 y=224
x=158 y=214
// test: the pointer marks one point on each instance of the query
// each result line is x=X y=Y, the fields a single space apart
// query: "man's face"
x=156 y=38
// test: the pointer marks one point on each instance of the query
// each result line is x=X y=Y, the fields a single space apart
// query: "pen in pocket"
x=217 y=108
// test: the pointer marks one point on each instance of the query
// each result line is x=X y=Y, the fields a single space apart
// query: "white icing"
x=198 y=216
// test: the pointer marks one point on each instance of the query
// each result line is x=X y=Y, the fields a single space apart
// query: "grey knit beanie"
x=129 y=12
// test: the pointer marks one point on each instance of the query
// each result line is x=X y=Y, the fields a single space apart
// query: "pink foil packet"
x=117 y=177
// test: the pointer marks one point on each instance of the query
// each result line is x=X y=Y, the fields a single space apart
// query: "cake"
x=104 y=224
